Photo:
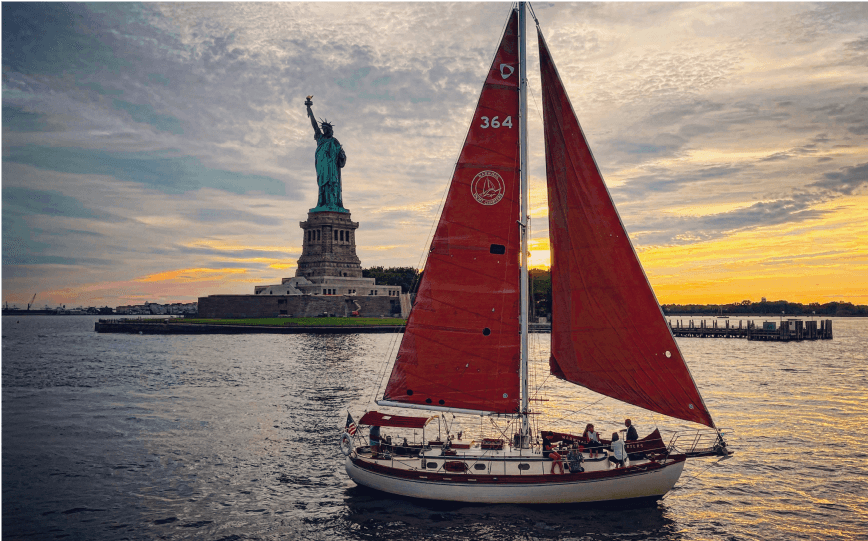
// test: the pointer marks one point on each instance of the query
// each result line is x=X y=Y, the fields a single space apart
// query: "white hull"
x=639 y=484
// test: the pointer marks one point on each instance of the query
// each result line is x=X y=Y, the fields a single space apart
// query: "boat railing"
x=699 y=443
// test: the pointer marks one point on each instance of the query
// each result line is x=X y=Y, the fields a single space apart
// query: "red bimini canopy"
x=375 y=418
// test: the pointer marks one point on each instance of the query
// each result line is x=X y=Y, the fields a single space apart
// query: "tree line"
x=835 y=308
x=409 y=279
x=406 y=277
x=541 y=301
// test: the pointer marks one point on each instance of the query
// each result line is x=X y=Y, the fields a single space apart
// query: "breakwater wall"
x=120 y=326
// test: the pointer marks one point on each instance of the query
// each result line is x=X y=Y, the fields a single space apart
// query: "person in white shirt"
x=619 y=453
x=593 y=441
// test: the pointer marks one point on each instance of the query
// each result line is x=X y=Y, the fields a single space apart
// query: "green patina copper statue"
x=330 y=158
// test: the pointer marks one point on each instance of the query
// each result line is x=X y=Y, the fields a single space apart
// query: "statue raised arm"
x=316 y=131
x=330 y=158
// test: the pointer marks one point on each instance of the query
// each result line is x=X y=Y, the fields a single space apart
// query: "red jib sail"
x=608 y=333
x=461 y=342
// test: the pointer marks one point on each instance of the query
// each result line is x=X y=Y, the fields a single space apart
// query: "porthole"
x=441 y=402
x=427 y=400
x=431 y=465
x=524 y=466
x=479 y=466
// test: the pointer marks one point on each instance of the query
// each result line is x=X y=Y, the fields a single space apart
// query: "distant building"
x=152 y=308
x=328 y=280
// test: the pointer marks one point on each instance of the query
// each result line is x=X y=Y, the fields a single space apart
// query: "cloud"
x=852 y=114
x=240 y=253
x=17 y=119
x=845 y=181
x=209 y=215
x=48 y=202
x=145 y=113
x=190 y=275
x=661 y=180
x=146 y=128
x=163 y=171
x=57 y=38
x=677 y=230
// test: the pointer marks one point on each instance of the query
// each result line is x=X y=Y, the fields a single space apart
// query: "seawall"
x=198 y=328
x=113 y=326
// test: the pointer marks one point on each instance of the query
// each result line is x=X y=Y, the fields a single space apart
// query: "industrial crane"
x=29 y=304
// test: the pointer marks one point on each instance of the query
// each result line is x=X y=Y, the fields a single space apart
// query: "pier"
x=772 y=331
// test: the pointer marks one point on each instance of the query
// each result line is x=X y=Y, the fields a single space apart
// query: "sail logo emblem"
x=506 y=70
x=487 y=188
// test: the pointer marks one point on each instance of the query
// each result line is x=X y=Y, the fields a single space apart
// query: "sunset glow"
x=161 y=151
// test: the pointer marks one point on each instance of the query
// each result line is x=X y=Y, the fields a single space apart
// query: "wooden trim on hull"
x=643 y=481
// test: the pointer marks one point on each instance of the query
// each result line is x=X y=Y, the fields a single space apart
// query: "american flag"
x=351 y=426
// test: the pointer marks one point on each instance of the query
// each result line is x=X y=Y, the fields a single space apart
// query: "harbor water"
x=113 y=436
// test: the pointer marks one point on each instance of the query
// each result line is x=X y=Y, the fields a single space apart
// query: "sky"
x=161 y=152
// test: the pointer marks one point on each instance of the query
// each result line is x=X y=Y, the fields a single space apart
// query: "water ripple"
x=235 y=437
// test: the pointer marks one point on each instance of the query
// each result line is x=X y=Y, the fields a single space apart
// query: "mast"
x=522 y=114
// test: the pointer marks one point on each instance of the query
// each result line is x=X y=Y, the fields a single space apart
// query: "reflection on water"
x=235 y=437
x=399 y=517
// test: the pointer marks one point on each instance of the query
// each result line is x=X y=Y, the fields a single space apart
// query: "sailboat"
x=465 y=345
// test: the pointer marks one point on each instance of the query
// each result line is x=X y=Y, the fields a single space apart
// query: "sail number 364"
x=495 y=123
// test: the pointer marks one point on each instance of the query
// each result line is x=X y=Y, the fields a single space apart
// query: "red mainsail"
x=461 y=342
x=608 y=333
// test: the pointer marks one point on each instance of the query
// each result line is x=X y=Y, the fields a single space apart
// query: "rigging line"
x=498 y=428
x=532 y=13
x=535 y=105
x=385 y=362
x=580 y=410
x=413 y=286
x=537 y=390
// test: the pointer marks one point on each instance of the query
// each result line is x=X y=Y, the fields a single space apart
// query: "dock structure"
x=788 y=331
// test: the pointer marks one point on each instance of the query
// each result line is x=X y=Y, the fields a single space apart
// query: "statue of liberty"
x=330 y=158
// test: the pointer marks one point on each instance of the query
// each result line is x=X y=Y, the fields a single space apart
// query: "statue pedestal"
x=329 y=247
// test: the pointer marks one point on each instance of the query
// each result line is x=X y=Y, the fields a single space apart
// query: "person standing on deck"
x=593 y=441
x=632 y=435
x=374 y=437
